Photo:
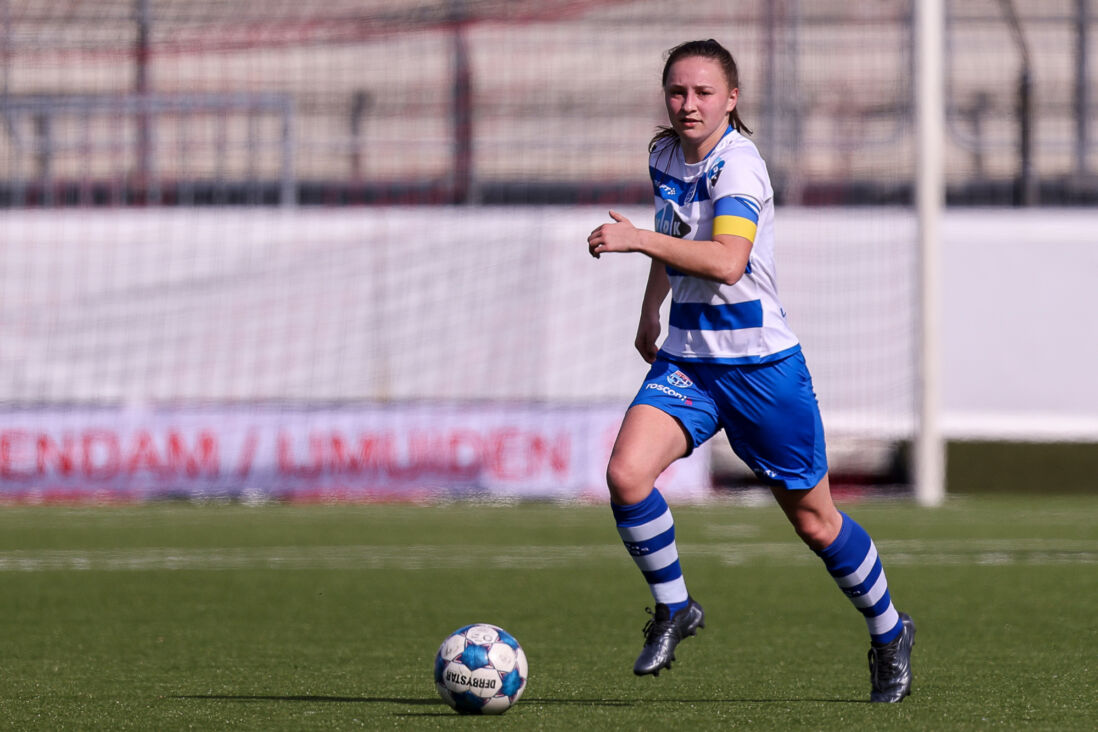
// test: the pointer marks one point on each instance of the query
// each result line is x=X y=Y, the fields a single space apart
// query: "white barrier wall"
x=1020 y=338
x=501 y=304
x=147 y=306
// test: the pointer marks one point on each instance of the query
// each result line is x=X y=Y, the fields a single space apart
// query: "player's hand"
x=620 y=236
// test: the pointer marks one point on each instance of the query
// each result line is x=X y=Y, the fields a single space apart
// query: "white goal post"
x=929 y=202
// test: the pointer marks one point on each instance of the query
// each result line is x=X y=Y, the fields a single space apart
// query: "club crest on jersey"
x=680 y=380
x=715 y=173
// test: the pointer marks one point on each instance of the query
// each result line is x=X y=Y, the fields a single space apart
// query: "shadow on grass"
x=647 y=702
x=308 y=698
x=419 y=701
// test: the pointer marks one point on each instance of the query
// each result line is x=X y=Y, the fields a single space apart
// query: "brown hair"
x=709 y=49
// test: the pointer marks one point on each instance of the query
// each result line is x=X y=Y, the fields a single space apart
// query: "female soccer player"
x=730 y=362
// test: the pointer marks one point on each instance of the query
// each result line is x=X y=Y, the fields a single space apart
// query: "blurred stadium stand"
x=202 y=102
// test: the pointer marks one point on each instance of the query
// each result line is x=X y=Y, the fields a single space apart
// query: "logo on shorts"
x=670 y=392
x=680 y=380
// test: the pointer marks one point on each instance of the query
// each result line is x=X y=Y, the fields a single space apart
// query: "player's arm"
x=648 y=329
x=722 y=259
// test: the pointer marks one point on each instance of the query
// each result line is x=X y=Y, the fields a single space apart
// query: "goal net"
x=336 y=249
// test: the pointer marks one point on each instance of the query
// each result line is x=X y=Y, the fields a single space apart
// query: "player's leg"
x=648 y=442
x=662 y=425
x=851 y=558
x=780 y=435
x=847 y=552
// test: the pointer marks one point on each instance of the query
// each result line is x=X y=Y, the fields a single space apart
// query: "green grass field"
x=179 y=616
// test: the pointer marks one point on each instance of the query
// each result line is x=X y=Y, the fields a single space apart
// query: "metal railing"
x=127 y=155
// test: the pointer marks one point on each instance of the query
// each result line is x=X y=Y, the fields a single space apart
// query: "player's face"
x=698 y=103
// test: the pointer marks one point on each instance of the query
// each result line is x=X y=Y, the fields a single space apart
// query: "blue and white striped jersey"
x=728 y=192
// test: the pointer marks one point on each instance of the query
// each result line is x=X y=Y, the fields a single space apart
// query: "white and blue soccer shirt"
x=728 y=192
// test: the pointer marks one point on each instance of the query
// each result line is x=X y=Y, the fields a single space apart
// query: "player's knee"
x=627 y=483
x=814 y=529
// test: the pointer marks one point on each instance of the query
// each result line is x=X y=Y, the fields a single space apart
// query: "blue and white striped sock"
x=852 y=560
x=648 y=531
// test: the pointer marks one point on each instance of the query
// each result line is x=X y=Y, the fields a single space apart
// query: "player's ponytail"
x=710 y=49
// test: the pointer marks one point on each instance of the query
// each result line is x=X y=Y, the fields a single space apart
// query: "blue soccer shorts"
x=768 y=411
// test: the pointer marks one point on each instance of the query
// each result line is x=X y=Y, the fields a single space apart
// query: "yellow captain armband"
x=735 y=226
x=736 y=216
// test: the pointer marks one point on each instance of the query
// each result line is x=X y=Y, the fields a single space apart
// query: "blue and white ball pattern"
x=480 y=669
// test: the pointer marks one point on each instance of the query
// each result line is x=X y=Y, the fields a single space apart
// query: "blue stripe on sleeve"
x=737 y=206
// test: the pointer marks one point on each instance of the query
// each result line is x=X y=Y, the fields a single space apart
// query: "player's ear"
x=733 y=97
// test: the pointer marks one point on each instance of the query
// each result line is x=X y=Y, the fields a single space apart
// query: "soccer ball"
x=480 y=669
